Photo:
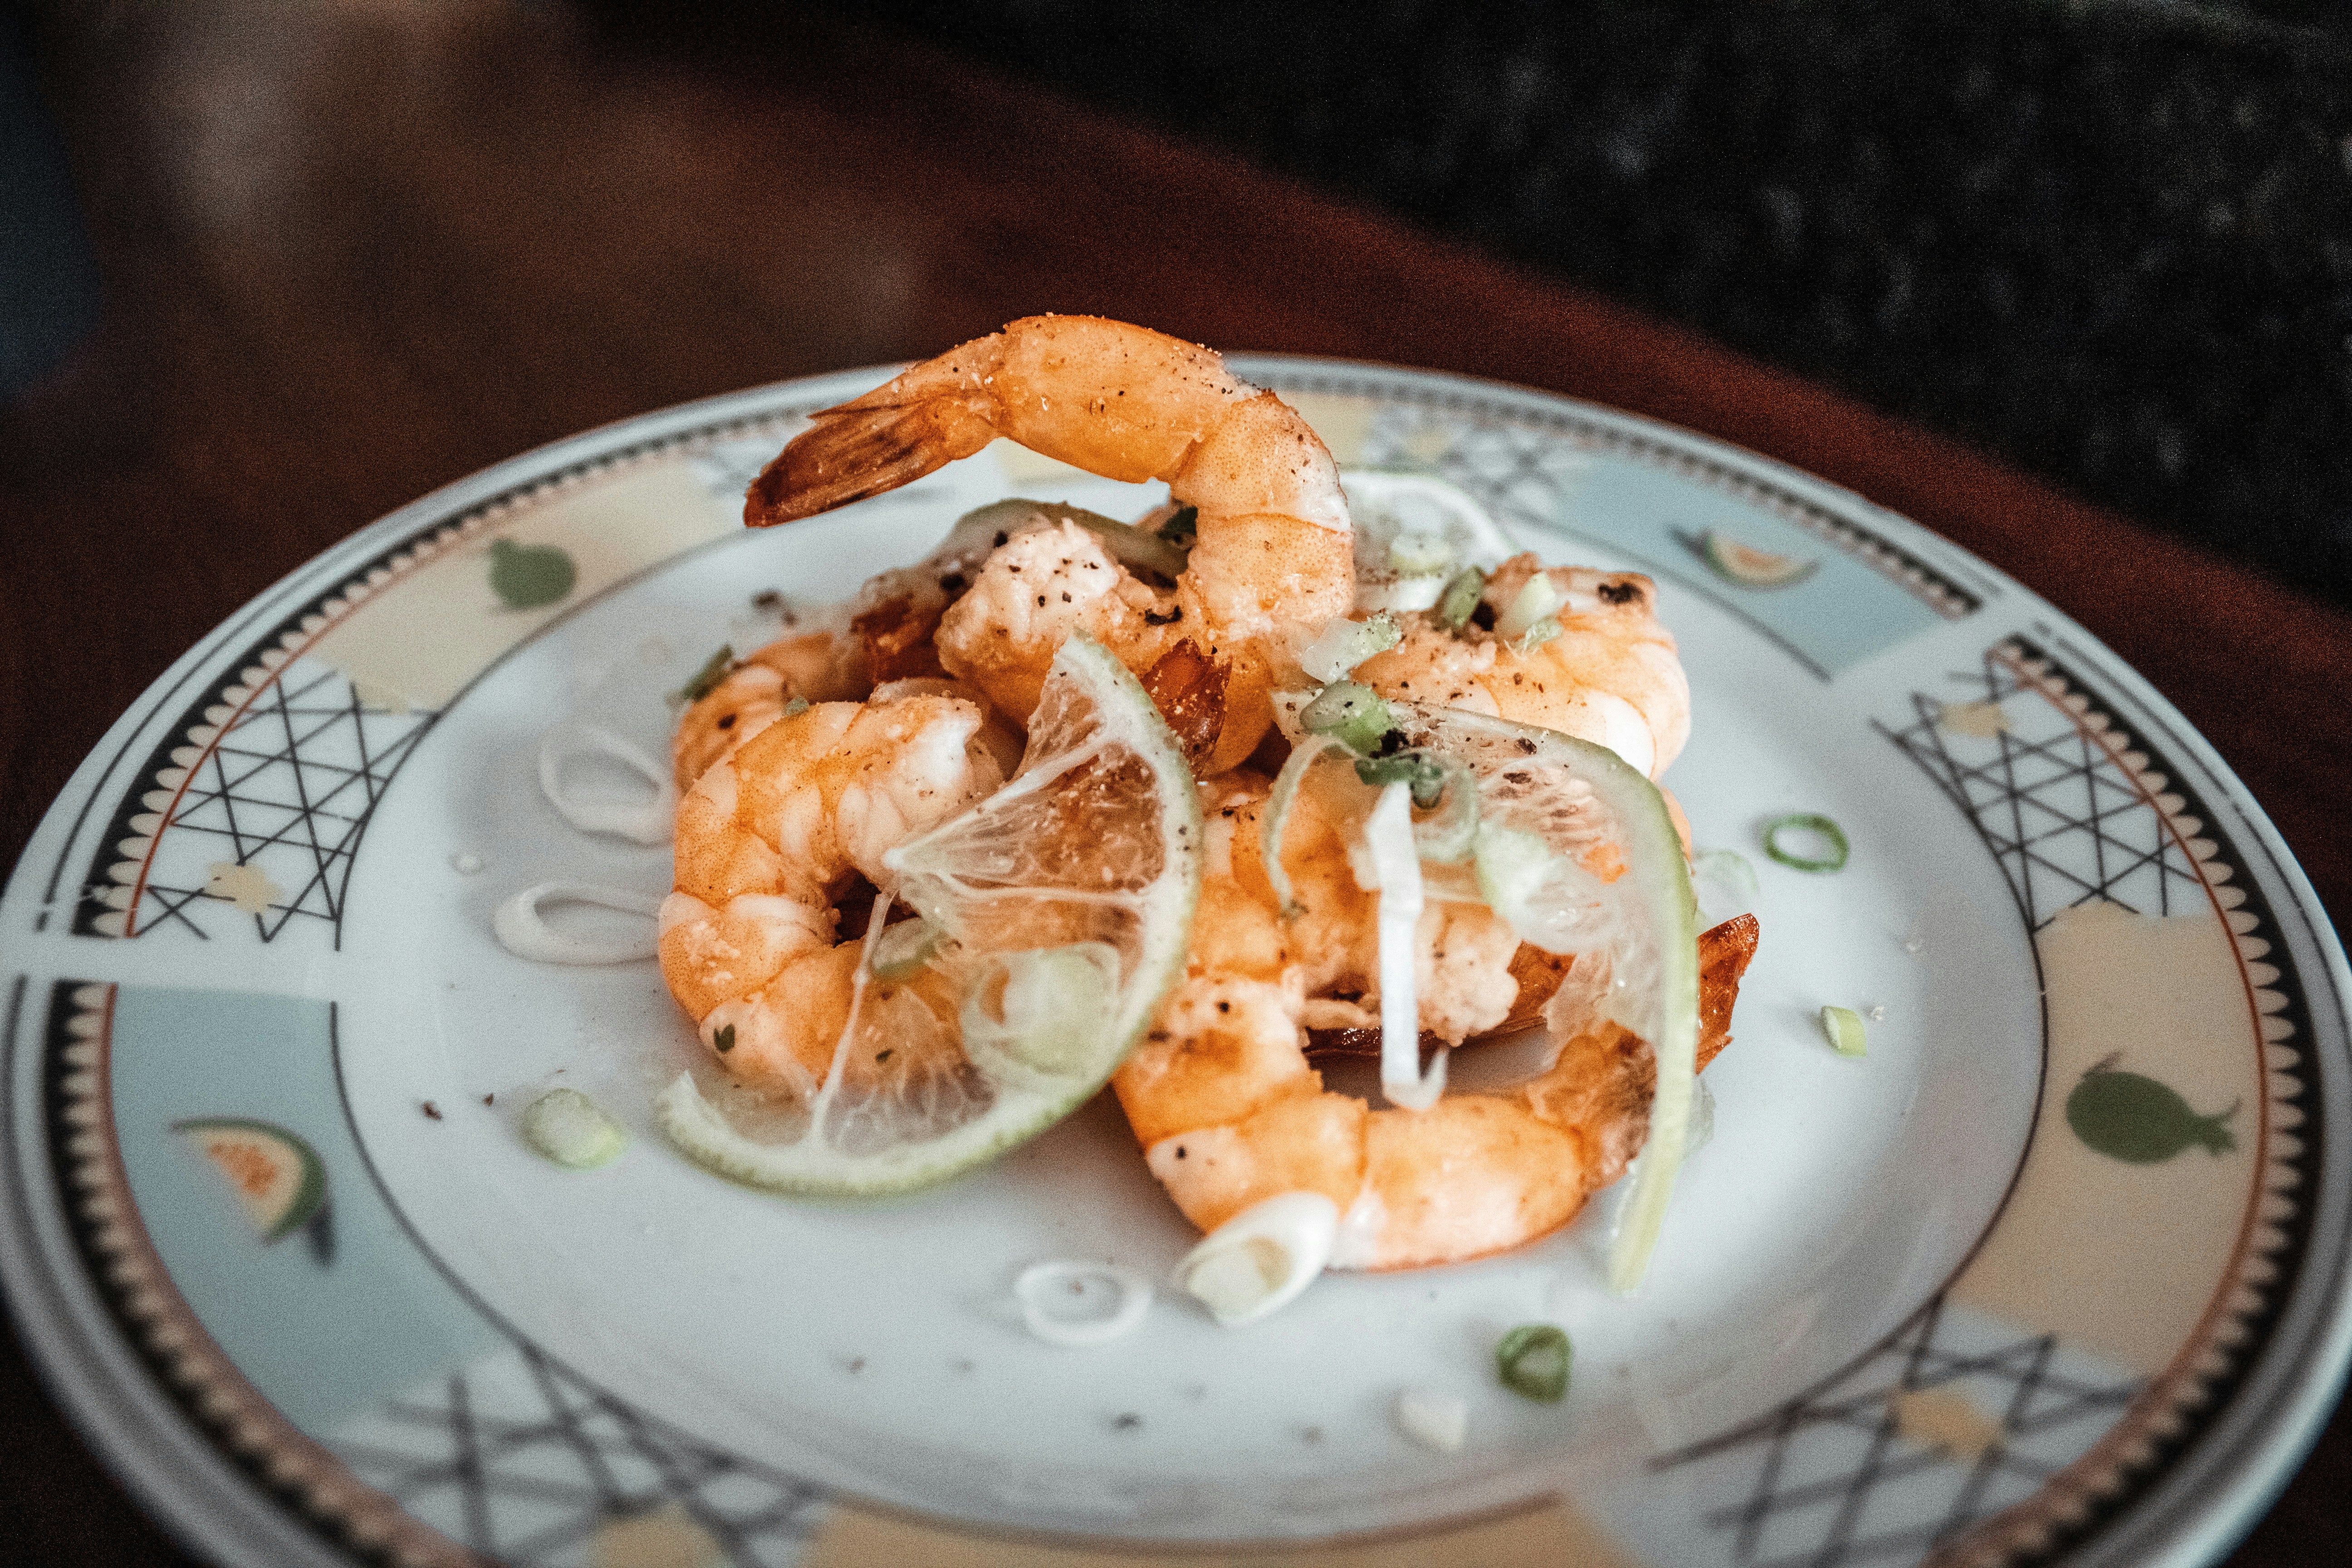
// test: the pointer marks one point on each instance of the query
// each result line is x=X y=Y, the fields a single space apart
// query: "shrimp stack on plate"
x=1531 y=891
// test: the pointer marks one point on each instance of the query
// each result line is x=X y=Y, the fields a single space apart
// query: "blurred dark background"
x=2110 y=240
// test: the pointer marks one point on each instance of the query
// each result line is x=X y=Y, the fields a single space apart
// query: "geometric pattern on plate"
x=520 y=1460
x=1523 y=464
x=265 y=801
x=2148 y=940
x=253 y=809
x=515 y=1458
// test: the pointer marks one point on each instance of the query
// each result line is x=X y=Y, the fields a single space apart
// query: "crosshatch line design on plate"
x=279 y=767
x=1484 y=459
x=2075 y=809
x=524 y=1460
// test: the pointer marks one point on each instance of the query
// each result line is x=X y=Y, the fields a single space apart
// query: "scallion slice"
x=1806 y=822
x=1844 y=1027
x=1419 y=554
x=1279 y=803
x=1460 y=600
x=1531 y=604
x=1343 y=645
x=714 y=670
x=1420 y=771
x=1354 y=715
x=1533 y=1360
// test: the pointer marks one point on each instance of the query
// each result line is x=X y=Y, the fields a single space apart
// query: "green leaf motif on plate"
x=2135 y=1118
x=527 y=577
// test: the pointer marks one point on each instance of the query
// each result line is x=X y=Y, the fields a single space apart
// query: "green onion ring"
x=1811 y=822
x=1533 y=1360
x=1285 y=795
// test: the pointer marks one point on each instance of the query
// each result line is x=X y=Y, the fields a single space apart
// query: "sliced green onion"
x=1182 y=527
x=904 y=949
x=1343 y=645
x=1353 y=715
x=1424 y=773
x=1531 y=603
x=796 y=706
x=1129 y=545
x=1806 y=822
x=1533 y=1360
x=1460 y=600
x=1419 y=554
x=1843 y=1027
x=1279 y=803
x=573 y=1129
x=1450 y=835
x=714 y=670
x=1729 y=868
x=1055 y=1002
x=1536 y=636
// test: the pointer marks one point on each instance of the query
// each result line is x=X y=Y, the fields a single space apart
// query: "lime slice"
x=1413 y=532
x=278 y=1178
x=1751 y=567
x=1577 y=850
x=1058 y=909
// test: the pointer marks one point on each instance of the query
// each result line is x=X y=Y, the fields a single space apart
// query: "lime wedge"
x=1413 y=532
x=1751 y=567
x=1058 y=909
x=1578 y=852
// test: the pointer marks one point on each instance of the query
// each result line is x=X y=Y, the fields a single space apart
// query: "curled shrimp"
x=1271 y=564
x=1606 y=672
x=1230 y=1110
x=775 y=839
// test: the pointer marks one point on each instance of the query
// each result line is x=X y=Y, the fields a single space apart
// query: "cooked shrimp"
x=815 y=666
x=1272 y=562
x=771 y=839
x=1229 y=1111
x=1611 y=675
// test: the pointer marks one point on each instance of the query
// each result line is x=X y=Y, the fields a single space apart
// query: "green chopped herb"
x=1806 y=822
x=1424 y=772
x=1354 y=715
x=724 y=1039
x=1843 y=1027
x=1182 y=527
x=1533 y=1360
x=714 y=670
x=798 y=705
x=1460 y=600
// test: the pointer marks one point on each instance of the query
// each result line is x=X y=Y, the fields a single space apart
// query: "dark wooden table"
x=354 y=252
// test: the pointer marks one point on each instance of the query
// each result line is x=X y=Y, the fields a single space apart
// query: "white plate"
x=1906 y=1306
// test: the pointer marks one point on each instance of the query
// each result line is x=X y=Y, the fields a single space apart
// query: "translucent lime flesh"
x=1091 y=848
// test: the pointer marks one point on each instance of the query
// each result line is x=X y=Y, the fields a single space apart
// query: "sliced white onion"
x=1546 y=898
x=1258 y=1261
x=647 y=821
x=522 y=931
x=1396 y=862
x=1433 y=1420
x=1056 y=1282
x=1533 y=602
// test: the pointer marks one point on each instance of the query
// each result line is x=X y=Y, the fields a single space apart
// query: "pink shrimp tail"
x=937 y=412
